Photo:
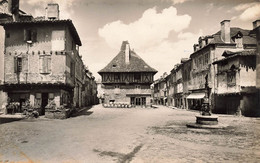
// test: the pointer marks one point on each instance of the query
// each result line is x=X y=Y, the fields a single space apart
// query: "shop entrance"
x=44 y=102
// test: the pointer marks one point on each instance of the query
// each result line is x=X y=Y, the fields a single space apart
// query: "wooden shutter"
x=41 y=64
x=25 y=64
x=15 y=64
x=25 y=35
x=49 y=64
x=45 y=64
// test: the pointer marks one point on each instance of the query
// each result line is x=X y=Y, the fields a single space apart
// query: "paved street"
x=130 y=135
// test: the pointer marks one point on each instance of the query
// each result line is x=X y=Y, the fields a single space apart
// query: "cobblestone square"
x=129 y=135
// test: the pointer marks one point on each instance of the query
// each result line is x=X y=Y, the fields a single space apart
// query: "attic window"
x=113 y=66
x=238 y=38
x=145 y=66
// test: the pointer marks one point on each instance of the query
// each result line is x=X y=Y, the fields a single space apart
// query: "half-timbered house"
x=127 y=79
x=236 y=83
x=42 y=62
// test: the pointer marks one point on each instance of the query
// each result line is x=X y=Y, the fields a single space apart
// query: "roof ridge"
x=136 y=63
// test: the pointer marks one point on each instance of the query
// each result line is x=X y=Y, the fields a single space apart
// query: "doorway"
x=44 y=102
x=137 y=101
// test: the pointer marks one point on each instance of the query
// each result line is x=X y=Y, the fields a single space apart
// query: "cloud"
x=247 y=11
x=251 y=13
x=209 y=7
x=170 y=51
x=64 y=6
x=150 y=30
x=179 y=1
x=244 y=6
x=150 y=38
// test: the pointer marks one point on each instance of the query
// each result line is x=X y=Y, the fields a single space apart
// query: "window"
x=117 y=77
x=45 y=64
x=231 y=78
x=72 y=69
x=143 y=101
x=239 y=43
x=38 y=96
x=206 y=58
x=30 y=35
x=137 y=87
x=51 y=96
x=117 y=86
x=17 y=64
x=137 y=77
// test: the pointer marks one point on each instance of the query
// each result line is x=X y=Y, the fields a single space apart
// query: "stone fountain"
x=205 y=119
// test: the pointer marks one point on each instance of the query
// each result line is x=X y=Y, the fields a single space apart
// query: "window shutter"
x=34 y=36
x=45 y=64
x=41 y=64
x=25 y=64
x=25 y=35
x=15 y=64
x=49 y=64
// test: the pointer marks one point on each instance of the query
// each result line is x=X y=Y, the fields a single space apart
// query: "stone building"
x=178 y=95
x=127 y=79
x=186 y=80
x=42 y=61
x=236 y=83
x=160 y=90
x=170 y=90
x=210 y=49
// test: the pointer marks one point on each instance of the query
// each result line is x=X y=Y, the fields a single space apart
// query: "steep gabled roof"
x=136 y=63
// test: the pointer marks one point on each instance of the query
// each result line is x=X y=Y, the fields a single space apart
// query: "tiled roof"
x=136 y=64
x=228 y=55
x=66 y=21
x=247 y=39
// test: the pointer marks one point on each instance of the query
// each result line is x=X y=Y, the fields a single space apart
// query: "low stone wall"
x=57 y=114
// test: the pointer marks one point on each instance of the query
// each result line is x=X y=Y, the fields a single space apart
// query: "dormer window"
x=238 y=39
x=113 y=66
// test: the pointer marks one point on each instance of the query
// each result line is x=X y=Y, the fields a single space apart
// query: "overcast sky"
x=160 y=31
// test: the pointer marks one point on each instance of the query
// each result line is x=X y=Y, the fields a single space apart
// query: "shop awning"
x=196 y=95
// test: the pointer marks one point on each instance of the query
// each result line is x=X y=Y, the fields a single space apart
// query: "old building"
x=100 y=91
x=178 y=96
x=210 y=49
x=236 y=83
x=186 y=80
x=160 y=90
x=42 y=61
x=127 y=79
x=170 y=90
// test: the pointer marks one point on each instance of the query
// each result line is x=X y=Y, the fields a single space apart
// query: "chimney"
x=225 y=31
x=209 y=39
x=196 y=47
x=52 y=11
x=127 y=53
x=13 y=6
x=202 y=42
x=256 y=24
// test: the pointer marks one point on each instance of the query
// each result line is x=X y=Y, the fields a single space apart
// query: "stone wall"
x=123 y=95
